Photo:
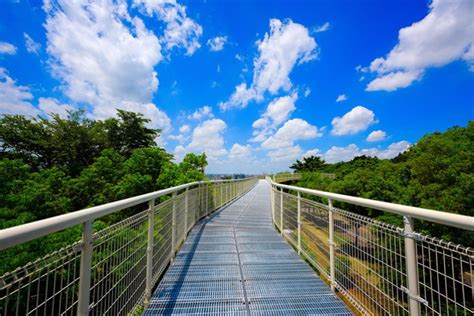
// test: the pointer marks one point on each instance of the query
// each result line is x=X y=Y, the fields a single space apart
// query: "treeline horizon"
x=437 y=172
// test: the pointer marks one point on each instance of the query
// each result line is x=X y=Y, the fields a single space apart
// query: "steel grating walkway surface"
x=235 y=263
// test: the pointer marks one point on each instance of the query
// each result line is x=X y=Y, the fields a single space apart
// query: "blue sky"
x=254 y=84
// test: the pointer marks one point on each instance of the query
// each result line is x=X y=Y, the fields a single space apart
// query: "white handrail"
x=16 y=235
x=445 y=218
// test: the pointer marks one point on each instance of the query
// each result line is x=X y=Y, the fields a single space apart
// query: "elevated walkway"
x=235 y=262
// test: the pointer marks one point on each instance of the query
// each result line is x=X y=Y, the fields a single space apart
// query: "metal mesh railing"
x=112 y=271
x=379 y=269
x=284 y=177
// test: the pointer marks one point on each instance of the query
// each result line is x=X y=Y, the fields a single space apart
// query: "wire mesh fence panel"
x=179 y=207
x=277 y=208
x=162 y=238
x=290 y=218
x=370 y=262
x=193 y=207
x=315 y=234
x=118 y=266
x=47 y=286
x=446 y=277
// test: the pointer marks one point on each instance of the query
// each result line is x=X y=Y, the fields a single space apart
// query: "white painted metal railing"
x=380 y=269
x=111 y=271
x=284 y=177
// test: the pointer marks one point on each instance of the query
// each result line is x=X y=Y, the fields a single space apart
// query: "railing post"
x=226 y=192
x=149 y=251
x=281 y=211
x=207 y=199
x=411 y=266
x=85 y=272
x=173 y=228
x=186 y=210
x=197 y=214
x=299 y=223
x=221 y=196
x=272 y=202
x=332 y=245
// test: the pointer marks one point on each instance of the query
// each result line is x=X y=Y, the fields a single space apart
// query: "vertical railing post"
x=411 y=266
x=222 y=195
x=199 y=204
x=173 y=228
x=149 y=251
x=332 y=245
x=85 y=272
x=272 y=202
x=299 y=223
x=207 y=198
x=186 y=210
x=281 y=211
x=226 y=192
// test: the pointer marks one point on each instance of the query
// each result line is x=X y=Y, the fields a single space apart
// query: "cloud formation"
x=278 y=111
x=356 y=120
x=216 y=44
x=180 y=31
x=341 y=97
x=202 y=112
x=288 y=44
x=376 y=136
x=337 y=154
x=15 y=99
x=441 y=37
x=208 y=137
x=31 y=46
x=104 y=57
x=7 y=48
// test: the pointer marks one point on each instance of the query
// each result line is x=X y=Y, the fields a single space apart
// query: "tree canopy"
x=54 y=166
x=309 y=164
x=436 y=173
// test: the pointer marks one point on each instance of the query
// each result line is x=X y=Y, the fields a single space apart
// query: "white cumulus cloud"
x=180 y=31
x=356 y=120
x=53 y=106
x=444 y=35
x=288 y=44
x=184 y=129
x=104 y=57
x=201 y=113
x=15 y=99
x=292 y=131
x=376 y=136
x=337 y=154
x=277 y=112
x=311 y=152
x=208 y=137
x=240 y=151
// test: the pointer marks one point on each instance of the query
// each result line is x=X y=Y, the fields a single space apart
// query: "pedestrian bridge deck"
x=235 y=263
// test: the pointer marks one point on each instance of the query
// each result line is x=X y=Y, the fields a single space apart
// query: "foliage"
x=71 y=143
x=51 y=167
x=309 y=164
x=436 y=173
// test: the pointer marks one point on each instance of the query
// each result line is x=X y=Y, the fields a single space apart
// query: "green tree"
x=129 y=132
x=309 y=164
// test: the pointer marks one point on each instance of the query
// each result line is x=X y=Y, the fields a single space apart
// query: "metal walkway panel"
x=235 y=263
